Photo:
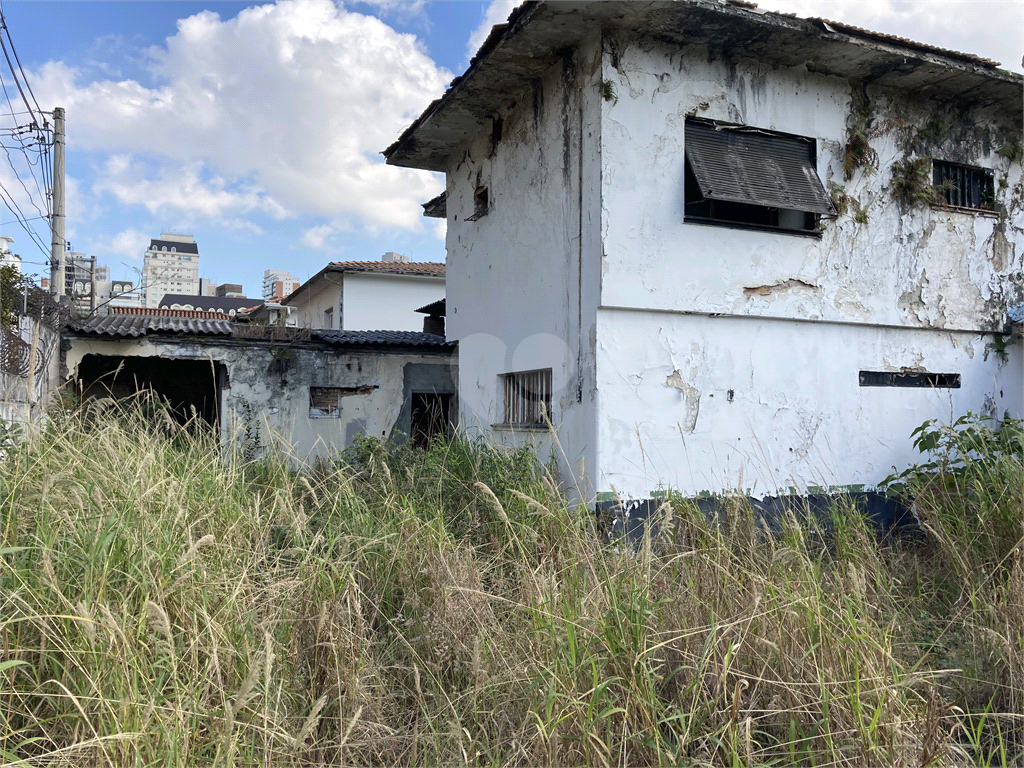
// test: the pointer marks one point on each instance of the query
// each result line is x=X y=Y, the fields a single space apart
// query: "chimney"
x=397 y=257
x=434 y=324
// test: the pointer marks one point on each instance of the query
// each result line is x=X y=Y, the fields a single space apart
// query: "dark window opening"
x=480 y=204
x=189 y=388
x=900 y=379
x=742 y=176
x=962 y=186
x=430 y=417
x=528 y=397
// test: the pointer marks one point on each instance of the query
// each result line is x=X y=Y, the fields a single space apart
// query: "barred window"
x=528 y=397
x=963 y=186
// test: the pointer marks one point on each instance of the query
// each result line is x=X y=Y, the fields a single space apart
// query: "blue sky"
x=256 y=128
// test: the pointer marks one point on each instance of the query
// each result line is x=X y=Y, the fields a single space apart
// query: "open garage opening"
x=190 y=388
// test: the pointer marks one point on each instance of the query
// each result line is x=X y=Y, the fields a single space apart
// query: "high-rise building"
x=171 y=265
x=81 y=277
x=277 y=283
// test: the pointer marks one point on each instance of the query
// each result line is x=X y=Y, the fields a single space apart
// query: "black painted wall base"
x=886 y=515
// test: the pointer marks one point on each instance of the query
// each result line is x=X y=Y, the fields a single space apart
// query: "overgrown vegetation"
x=912 y=182
x=1013 y=150
x=858 y=152
x=161 y=603
x=11 y=287
x=845 y=203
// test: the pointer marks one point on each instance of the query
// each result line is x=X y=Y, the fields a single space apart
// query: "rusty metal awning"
x=739 y=164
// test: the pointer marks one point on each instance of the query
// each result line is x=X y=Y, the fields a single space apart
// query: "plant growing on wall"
x=912 y=182
x=608 y=91
x=858 y=152
x=1013 y=151
x=845 y=204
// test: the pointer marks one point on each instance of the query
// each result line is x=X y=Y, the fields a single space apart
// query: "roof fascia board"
x=499 y=34
x=358 y=273
x=289 y=299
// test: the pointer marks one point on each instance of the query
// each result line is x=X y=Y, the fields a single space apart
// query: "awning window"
x=737 y=164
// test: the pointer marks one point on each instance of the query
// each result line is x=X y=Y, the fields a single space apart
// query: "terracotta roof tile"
x=195 y=314
x=432 y=268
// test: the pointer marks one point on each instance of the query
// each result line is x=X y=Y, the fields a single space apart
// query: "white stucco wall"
x=311 y=304
x=378 y=302
x=523 y=280
x=910 y=288
x=798 y=416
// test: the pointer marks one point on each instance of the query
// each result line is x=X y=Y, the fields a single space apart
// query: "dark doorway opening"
x=191 y=388
x=430 y=417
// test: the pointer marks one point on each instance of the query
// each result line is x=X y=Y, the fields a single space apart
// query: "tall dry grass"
x=161 y=603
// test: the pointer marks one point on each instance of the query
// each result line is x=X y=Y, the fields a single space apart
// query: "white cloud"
x=130 y=242
x=283 y=109
x=989 y=28
x=497 y=13
x=243 y=225
x=318 y=237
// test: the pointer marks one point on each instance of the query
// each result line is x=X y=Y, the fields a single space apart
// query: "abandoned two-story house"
x=722 y=248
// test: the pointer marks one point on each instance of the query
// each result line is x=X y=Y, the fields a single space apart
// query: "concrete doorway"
x=191 y=388
x=431 y=417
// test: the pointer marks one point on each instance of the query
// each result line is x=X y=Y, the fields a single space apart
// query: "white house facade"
x=724 y=249
x=368 y=295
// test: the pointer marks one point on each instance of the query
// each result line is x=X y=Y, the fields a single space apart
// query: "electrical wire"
x=27 y=137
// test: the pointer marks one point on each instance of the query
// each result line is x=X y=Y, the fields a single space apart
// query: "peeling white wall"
x=921 y=267
x=278 y=403
x=522 y=281
x=798 y=416
x=381 y=302
x=687 y=308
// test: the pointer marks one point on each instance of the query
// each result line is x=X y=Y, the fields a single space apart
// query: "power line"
x=37 y=129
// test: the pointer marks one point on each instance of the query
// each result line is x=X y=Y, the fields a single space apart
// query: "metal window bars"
x=528 y=397
x=962 y=186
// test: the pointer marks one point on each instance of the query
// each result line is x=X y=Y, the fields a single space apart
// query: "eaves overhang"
x=538 y=33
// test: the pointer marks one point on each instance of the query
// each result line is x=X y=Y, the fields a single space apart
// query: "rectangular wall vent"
x=900 y=379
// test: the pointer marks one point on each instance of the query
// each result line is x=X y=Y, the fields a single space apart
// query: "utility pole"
x=57 y=219
x=92 y=284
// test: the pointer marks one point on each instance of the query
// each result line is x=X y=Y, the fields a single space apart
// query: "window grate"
x=528 y=397
x=964 y=187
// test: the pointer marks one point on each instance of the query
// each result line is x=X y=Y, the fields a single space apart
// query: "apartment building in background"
x=278 y=283
x=170 y=265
